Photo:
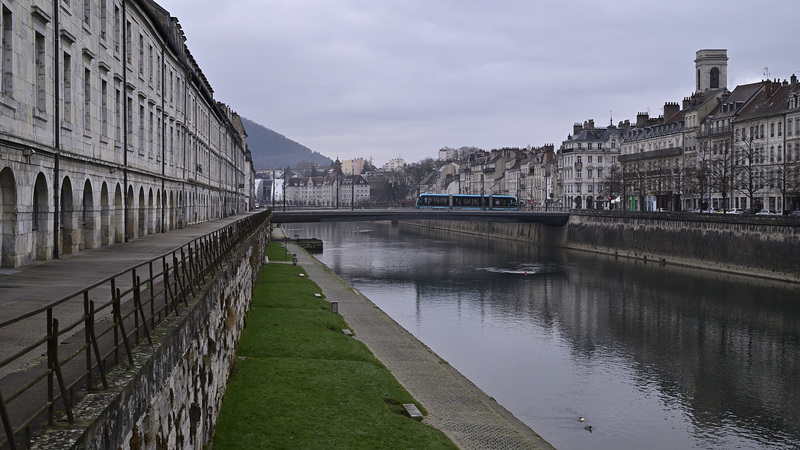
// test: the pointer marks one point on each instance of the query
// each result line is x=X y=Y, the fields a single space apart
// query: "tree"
x=613 y=184
x=750 y=174
x=722 y=170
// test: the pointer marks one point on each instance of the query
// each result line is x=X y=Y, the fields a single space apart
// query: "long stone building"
x=109 y=130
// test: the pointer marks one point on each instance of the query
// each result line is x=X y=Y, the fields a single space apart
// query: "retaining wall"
x=171 y=396
x=755 y=246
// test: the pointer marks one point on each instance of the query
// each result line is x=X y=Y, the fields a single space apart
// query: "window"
x=141 y=55
x=66 y=112
x=39 y=62
x=589 y=159
x=762 y=131
x=6 y=52
x=772 y=130
x=589 y=146
x=128 y=42
x=103 y=18
x=588 y=173
x=779 y=129
x=599 y=173
x=118 y=115
x=104 y=108
x=87 y=100
x=600 y=159
x=714 y=78
x=87 y=12
x=141 y=129
x=116 y=28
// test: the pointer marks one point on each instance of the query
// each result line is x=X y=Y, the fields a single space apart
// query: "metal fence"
x=85 y=334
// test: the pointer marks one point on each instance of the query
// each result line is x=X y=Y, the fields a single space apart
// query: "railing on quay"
x=78 y=348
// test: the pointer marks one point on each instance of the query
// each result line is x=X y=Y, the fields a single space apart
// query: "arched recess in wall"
x=151 y=212
x=119 y=215
x=89 y=217
x=130 y=227
x=159 y=212
x=67 y=219
x=171 y=209
x=42 y=237
x=8 y=219
x=142 y=214
x=106 y=224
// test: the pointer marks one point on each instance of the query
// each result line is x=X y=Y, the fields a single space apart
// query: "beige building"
x=108 y=130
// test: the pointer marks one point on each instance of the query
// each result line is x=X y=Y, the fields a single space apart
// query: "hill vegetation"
x=272 y=149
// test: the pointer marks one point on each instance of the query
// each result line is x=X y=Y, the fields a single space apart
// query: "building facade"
x=109 y=130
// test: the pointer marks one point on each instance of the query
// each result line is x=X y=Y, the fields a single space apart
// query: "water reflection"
x=654 y=356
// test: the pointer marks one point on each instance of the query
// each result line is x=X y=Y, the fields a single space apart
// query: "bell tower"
x=712 y=69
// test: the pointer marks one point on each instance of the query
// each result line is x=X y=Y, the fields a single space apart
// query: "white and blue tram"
x=464 y=201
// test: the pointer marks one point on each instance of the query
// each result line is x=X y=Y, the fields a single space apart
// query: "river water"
x=652 y=356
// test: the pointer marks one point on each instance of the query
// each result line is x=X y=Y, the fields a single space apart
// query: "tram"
x=464 y=201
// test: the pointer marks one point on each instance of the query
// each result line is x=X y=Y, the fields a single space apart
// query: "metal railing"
x=87 y=333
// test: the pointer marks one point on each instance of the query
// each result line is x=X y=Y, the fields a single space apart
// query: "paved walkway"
x=468 y=416
x=29 y=288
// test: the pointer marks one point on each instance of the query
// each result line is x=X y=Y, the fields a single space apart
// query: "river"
x=656 y=357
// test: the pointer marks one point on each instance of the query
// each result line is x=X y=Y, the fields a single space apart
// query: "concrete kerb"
x=472 y=419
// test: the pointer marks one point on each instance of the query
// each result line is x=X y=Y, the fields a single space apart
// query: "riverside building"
x=109 y=129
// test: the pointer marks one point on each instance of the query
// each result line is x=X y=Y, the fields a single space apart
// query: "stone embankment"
x=748 y=245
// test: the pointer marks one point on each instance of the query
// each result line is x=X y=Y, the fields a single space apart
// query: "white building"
x=109 y=130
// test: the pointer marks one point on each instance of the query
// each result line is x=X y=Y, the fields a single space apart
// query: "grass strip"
x=301 y=383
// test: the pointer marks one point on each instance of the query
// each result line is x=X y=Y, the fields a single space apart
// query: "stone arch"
x=106 y=225
x=171 y=208
x=42 y=244
x=151 y=213
x=130 y=231
x=89 y=220
x=9 y=243
x=160 y=212
x=67 y=220
x=119 y=215
x=142 y=209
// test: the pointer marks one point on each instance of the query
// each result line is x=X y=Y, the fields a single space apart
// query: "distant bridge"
x=370 y=215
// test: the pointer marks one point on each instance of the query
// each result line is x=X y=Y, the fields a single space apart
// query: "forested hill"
x=271 y=149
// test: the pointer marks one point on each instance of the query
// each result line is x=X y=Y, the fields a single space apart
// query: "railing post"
x=87 y=339
x=53 y=352
x=137 y=304
x=121 y=325
x=7 y=424
x=100 y=363
x=50 y=390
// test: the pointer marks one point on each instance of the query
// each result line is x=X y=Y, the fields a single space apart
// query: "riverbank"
x=763 y=247
x=454 y=405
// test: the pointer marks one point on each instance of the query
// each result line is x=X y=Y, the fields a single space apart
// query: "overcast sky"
x=386 y=78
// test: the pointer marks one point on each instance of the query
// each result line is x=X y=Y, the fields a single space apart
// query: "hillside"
x=271 y=149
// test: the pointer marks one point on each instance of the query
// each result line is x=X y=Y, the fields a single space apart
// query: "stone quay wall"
x=171 y=397
x=767 y=247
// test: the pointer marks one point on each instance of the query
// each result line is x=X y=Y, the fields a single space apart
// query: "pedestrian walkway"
x=468 y=416
x=28 y=288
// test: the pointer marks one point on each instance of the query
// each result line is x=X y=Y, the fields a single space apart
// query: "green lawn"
x=301 y=383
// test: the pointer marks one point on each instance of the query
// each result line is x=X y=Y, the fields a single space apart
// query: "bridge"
x=370 y=215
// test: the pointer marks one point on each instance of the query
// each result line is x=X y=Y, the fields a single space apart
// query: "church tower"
x=712 y=69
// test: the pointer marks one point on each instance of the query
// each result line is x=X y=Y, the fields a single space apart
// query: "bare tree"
x=721 y=170
x=750 y=177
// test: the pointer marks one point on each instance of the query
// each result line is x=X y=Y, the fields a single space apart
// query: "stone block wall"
x=171 y=396
x=747 y=245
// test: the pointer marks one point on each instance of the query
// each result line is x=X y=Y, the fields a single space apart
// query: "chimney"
x=794 y=79
x=641 y=119
x=576 y=128
x=591 y=124
x=670 y=109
